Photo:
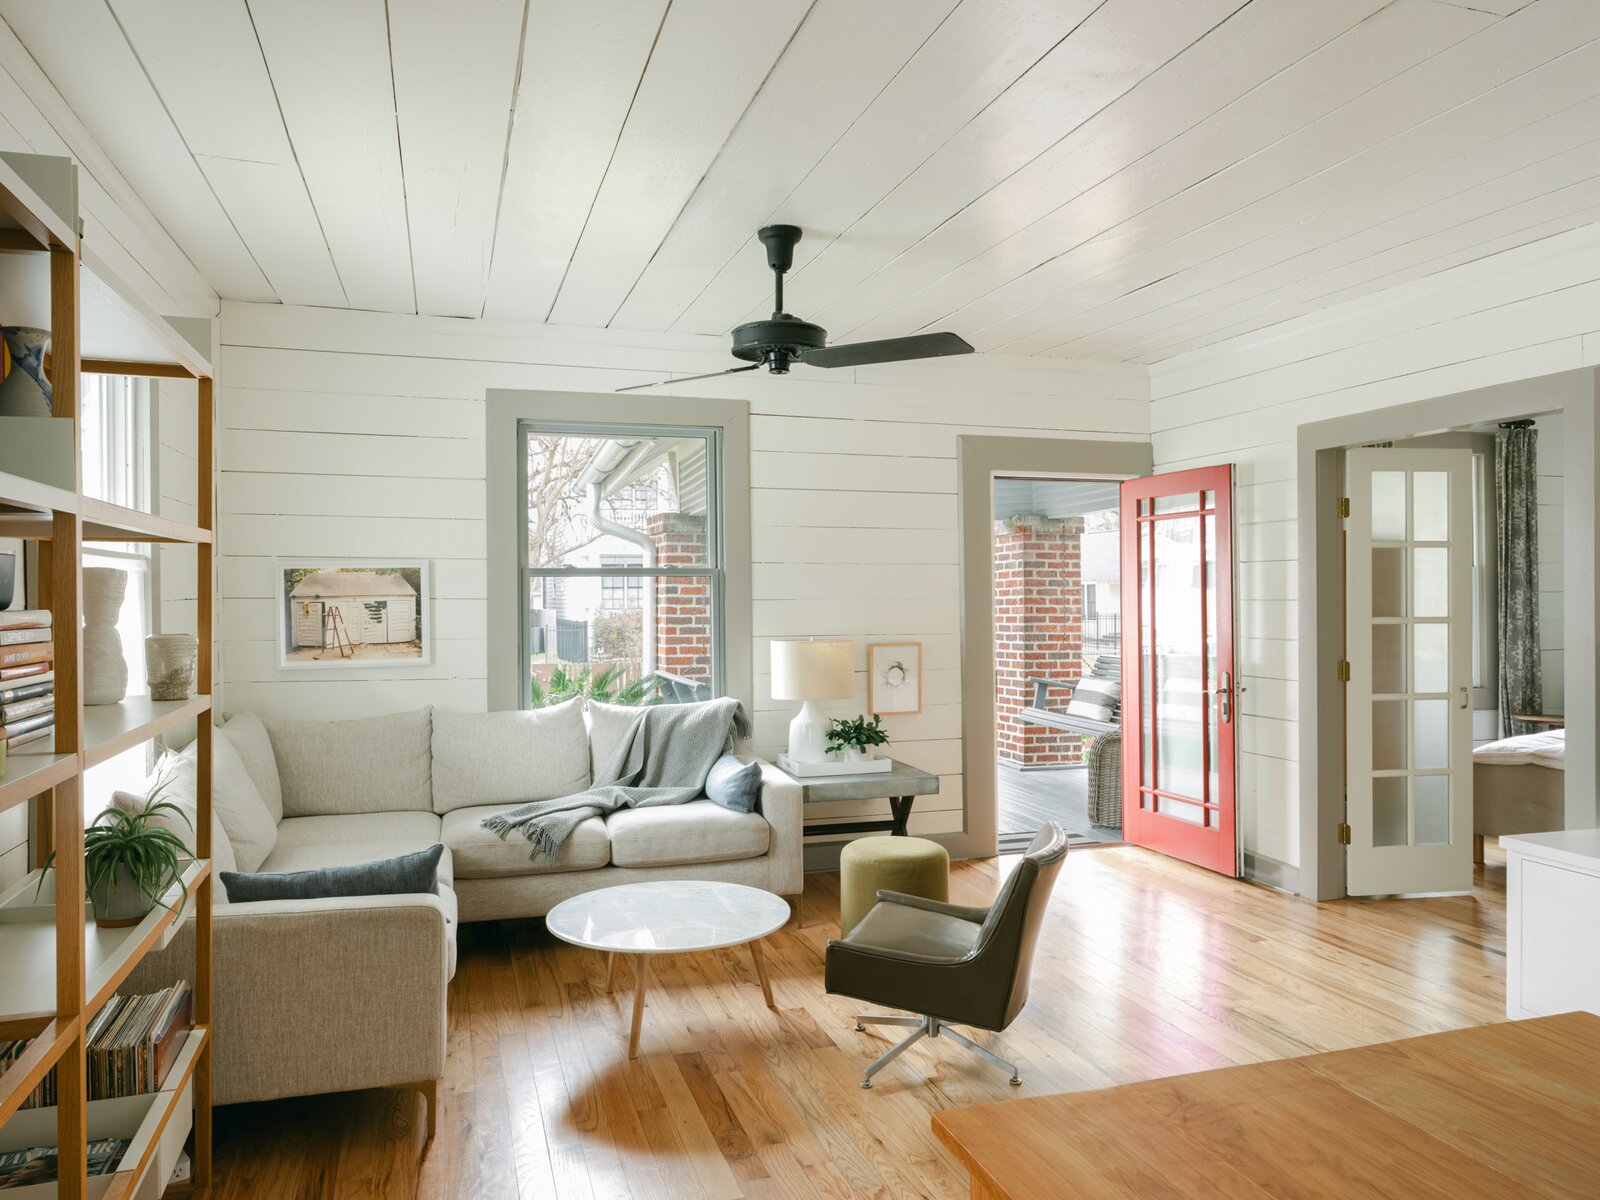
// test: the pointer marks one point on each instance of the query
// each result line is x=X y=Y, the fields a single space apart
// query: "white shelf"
x=28 y=950
x=110 y=729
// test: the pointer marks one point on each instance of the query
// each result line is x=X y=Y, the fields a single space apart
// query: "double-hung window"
x=623 y=571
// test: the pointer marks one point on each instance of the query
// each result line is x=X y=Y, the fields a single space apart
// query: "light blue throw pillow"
x=733 y=784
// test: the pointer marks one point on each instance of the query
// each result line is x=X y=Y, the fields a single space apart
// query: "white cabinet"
x=1552 y=922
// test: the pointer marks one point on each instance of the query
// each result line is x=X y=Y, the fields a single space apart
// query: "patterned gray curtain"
x=1516 y=471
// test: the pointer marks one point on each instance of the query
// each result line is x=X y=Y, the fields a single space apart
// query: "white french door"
x=1408 y=640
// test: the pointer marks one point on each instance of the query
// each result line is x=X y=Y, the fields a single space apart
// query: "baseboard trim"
x=1269 y=872
x=824 y=856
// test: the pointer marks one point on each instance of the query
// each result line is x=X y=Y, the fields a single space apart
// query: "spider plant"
x=122 y=850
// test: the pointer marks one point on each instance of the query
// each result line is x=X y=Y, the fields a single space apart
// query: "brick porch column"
x=1038 y=631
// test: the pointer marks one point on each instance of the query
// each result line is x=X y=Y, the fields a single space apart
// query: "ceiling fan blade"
x=692 y=378
x=860 y=354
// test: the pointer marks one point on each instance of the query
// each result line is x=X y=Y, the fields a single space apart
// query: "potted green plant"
x=853 y=738
x=129 y=864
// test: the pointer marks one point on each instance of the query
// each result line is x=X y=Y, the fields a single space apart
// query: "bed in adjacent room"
x=1518 y=786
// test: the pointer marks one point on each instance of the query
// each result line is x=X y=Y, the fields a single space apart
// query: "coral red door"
x=1179 y=699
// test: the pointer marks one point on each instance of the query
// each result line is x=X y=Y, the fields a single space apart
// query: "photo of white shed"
x=367 y=607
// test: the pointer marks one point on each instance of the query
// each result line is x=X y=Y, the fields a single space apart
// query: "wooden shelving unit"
x=55 y=977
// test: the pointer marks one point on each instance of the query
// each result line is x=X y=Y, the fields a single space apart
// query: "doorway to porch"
x=1057 y=623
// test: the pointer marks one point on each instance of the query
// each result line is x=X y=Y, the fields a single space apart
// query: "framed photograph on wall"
x=354 y=613
x=894 y=678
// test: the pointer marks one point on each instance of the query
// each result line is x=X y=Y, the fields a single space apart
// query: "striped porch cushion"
x=1095 y=699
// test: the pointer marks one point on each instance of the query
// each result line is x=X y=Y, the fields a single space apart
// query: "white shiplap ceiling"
x=1080 y=178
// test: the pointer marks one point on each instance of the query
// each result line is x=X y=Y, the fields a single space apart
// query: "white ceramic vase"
x=105 y=670
x=169 y=660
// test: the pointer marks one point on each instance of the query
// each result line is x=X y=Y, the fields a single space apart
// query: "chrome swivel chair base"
x=925 y=1027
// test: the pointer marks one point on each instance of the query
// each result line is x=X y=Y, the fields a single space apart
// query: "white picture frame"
x=362 y=629
x=894 y=678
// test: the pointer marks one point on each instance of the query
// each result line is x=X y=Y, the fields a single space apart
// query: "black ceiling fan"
x=782 y=339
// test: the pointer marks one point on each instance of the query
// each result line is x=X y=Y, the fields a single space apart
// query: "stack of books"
x=27 y=677
x=132 y=1043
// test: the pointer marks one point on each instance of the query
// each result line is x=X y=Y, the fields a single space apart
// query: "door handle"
x=1225 y=699
x=1463 y=697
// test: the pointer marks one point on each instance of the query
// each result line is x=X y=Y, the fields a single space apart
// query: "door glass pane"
x=1183 y=810
x=1388 y=658
x=1388 y=506
x=1389 y=735
x=1210 y=708
x=1179 y=646
x=1430 y=506
x=1433 y=810
x=1389 y=583
x=1184 y=502
x=1389 y=811
x=1430 y=587
x=1147 y=695
x=1431 y=720
x=1431 y=666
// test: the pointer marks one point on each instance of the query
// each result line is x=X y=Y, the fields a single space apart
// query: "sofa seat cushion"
x=508 y=757
x=480 y=854
x=697 y=832
x=311 y=856
x=361 y=829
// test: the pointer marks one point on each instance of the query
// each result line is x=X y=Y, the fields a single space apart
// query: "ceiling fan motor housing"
x=777 y=341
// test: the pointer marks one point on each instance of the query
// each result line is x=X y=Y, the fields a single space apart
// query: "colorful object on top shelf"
x=105 y=670
x=25 y=391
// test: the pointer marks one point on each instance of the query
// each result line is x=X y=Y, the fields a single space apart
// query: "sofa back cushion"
x=250 y=741
x=608 y=725
x=371 y=764
x=508 y=757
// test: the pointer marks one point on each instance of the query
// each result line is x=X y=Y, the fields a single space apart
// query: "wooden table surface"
x=1508 y=1110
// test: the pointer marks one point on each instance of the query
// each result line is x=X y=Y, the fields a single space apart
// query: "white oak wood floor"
x=1148 y=968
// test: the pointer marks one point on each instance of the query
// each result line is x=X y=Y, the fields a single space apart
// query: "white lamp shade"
x=813 y=670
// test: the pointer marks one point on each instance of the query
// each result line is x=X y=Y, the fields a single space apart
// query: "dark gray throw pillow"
x=733 y=784
x=408 y=873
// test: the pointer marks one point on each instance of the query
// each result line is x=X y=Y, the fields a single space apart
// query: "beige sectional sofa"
x=332 y=995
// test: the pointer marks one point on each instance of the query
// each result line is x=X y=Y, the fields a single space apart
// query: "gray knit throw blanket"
x=664 y=758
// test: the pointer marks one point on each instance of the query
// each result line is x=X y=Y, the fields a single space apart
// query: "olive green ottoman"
x=911 y=865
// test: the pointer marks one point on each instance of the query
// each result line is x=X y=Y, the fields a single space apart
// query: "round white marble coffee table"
x=673 y=916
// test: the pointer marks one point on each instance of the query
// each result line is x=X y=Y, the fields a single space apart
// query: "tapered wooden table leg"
x=761 y=972
x=642 y=971
x=611 y=970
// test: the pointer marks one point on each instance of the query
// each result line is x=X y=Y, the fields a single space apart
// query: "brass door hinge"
x=1344 y=833
x=1343 y=670
x=1341 y=507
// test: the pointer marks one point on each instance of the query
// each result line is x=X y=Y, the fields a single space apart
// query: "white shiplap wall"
x=361 y=434
x=1515 y=315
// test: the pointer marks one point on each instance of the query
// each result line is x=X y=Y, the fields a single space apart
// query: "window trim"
x=713 y=571
x=505 y=467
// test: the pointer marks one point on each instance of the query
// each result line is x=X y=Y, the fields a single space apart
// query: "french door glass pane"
x=1388 y=658
x=1389 y=735
x=1430 y=567
x=1431 y=734
x=1431 y=666
x=1179 y=649
x=1389 y=815
x=1389 y=582
x=1433 y=809
x=1388 y=506
x=1213 y=677
x=1430 y=506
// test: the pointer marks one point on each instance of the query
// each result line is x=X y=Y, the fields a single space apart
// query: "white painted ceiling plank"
x=195 y=52
x=837 y=63
x=1092 y=224
x=1549 y=154
x=330 y=69
x=81 y=49
x=709 y=61
x=454 y=81
x=1150 y=127
x=973 y=57
x=1564 y=206
x=582 y=61
x=1419 y=117
x=1105 y=57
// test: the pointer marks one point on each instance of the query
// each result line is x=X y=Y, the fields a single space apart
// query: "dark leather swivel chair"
x=950 y=963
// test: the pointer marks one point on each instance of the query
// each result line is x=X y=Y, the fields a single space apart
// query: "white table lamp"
x=812 y=670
